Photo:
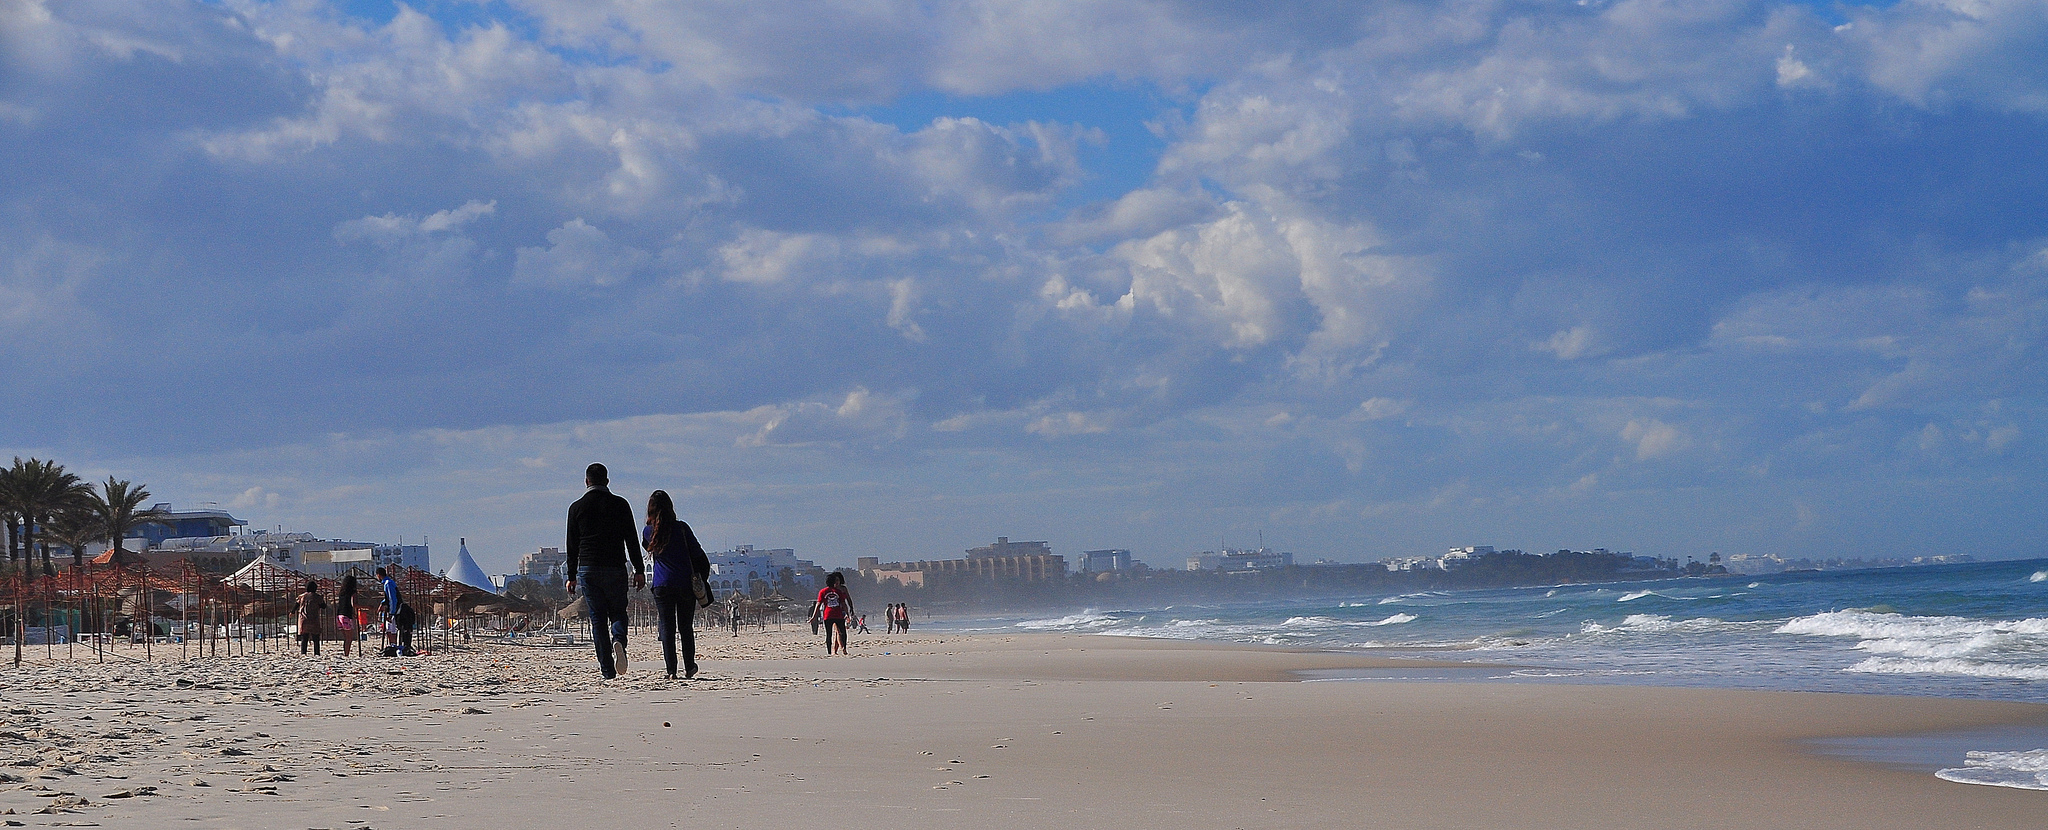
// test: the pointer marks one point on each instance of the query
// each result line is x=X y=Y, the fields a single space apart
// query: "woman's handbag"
x=702 y=588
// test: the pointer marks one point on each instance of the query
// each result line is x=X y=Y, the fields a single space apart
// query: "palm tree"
x=10 y=509
x=75 y=529
x=117 y=509
x=41 y=490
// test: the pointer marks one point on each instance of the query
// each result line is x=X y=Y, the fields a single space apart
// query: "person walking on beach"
x=311 y=608
x=837 y=603
x=397 y=617
x=903 y=617
x=678 y=558
x=732 y=612
x=345 y=613
x=601 y=540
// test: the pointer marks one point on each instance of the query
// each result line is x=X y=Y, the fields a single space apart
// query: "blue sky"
x=896 y=278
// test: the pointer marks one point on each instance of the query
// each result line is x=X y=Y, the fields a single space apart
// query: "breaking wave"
x=2022 y=770
x=1084 y=621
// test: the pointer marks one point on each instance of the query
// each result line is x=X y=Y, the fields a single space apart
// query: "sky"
x=867 y=277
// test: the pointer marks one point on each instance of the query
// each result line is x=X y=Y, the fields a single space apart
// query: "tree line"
x=45 y=505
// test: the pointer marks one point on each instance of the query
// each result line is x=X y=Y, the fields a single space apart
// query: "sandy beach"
x=1031 y=730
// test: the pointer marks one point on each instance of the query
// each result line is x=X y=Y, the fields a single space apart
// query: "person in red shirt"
x=837 y=607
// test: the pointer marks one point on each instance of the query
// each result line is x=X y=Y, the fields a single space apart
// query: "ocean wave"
x=1949 y=666
x=2026 y=770
x=1632 y=596
x=1396 y=619
x=1071 y=622
x=2039 y=576
x=1662 y=624
x=1871 y=625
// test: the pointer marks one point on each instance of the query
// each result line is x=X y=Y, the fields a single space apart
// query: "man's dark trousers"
x=604 y=590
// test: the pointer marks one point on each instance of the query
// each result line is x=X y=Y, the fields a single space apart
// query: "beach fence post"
x=49 y=593
x=18 y=633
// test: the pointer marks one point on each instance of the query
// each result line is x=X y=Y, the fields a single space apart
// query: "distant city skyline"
x=1375 y=279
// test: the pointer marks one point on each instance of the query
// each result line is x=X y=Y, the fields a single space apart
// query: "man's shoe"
x=619 y=657
x=689 y=672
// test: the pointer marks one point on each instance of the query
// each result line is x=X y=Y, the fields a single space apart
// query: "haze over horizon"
x=896 y=278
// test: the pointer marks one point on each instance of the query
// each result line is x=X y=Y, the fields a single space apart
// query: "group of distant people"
x=899 y=618
x=397 y=624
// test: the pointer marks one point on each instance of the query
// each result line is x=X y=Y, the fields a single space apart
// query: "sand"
x=924 y=730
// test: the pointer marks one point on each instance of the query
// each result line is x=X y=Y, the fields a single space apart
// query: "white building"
x=301 y=552
x=1257 y=559
x=1105 y=561
x=742 y=567
x=1460 y=556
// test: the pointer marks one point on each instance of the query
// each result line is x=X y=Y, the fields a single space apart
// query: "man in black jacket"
x=601 y=535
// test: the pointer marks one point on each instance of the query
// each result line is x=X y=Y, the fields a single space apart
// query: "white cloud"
x=390 y=230
x=1934 y=52
x=578 y=255
x=1654 y=439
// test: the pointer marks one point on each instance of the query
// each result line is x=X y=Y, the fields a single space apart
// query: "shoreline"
x=1022 y=729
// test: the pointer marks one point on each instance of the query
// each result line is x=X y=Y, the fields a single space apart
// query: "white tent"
x=265 y=574
x=467 y=572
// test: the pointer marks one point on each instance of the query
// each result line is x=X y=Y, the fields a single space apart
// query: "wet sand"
x=926 y=730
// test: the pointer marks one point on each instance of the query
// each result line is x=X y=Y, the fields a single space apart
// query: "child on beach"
x=311 y=607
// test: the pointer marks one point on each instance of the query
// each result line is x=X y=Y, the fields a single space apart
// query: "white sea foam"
x=1396 y=619
x=1632 y=596
x=2039 y=576
x=1661 y=624
x=1072 y=622
x=1873 y=625
x=1950 y=666
x=1951 y=646
x=2023 y=770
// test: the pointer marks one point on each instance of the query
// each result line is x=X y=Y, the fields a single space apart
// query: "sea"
x=1975 y=630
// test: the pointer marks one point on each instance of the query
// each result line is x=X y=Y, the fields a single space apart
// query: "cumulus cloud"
x=578 y=255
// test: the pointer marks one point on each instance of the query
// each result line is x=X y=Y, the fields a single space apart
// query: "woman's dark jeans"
x=675 y=614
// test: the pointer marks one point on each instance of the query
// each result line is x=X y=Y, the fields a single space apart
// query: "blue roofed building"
x=187 y=524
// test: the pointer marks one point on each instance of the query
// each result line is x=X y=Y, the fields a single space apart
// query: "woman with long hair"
x=310 y=606
x=678 y=558
x=837 y=604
